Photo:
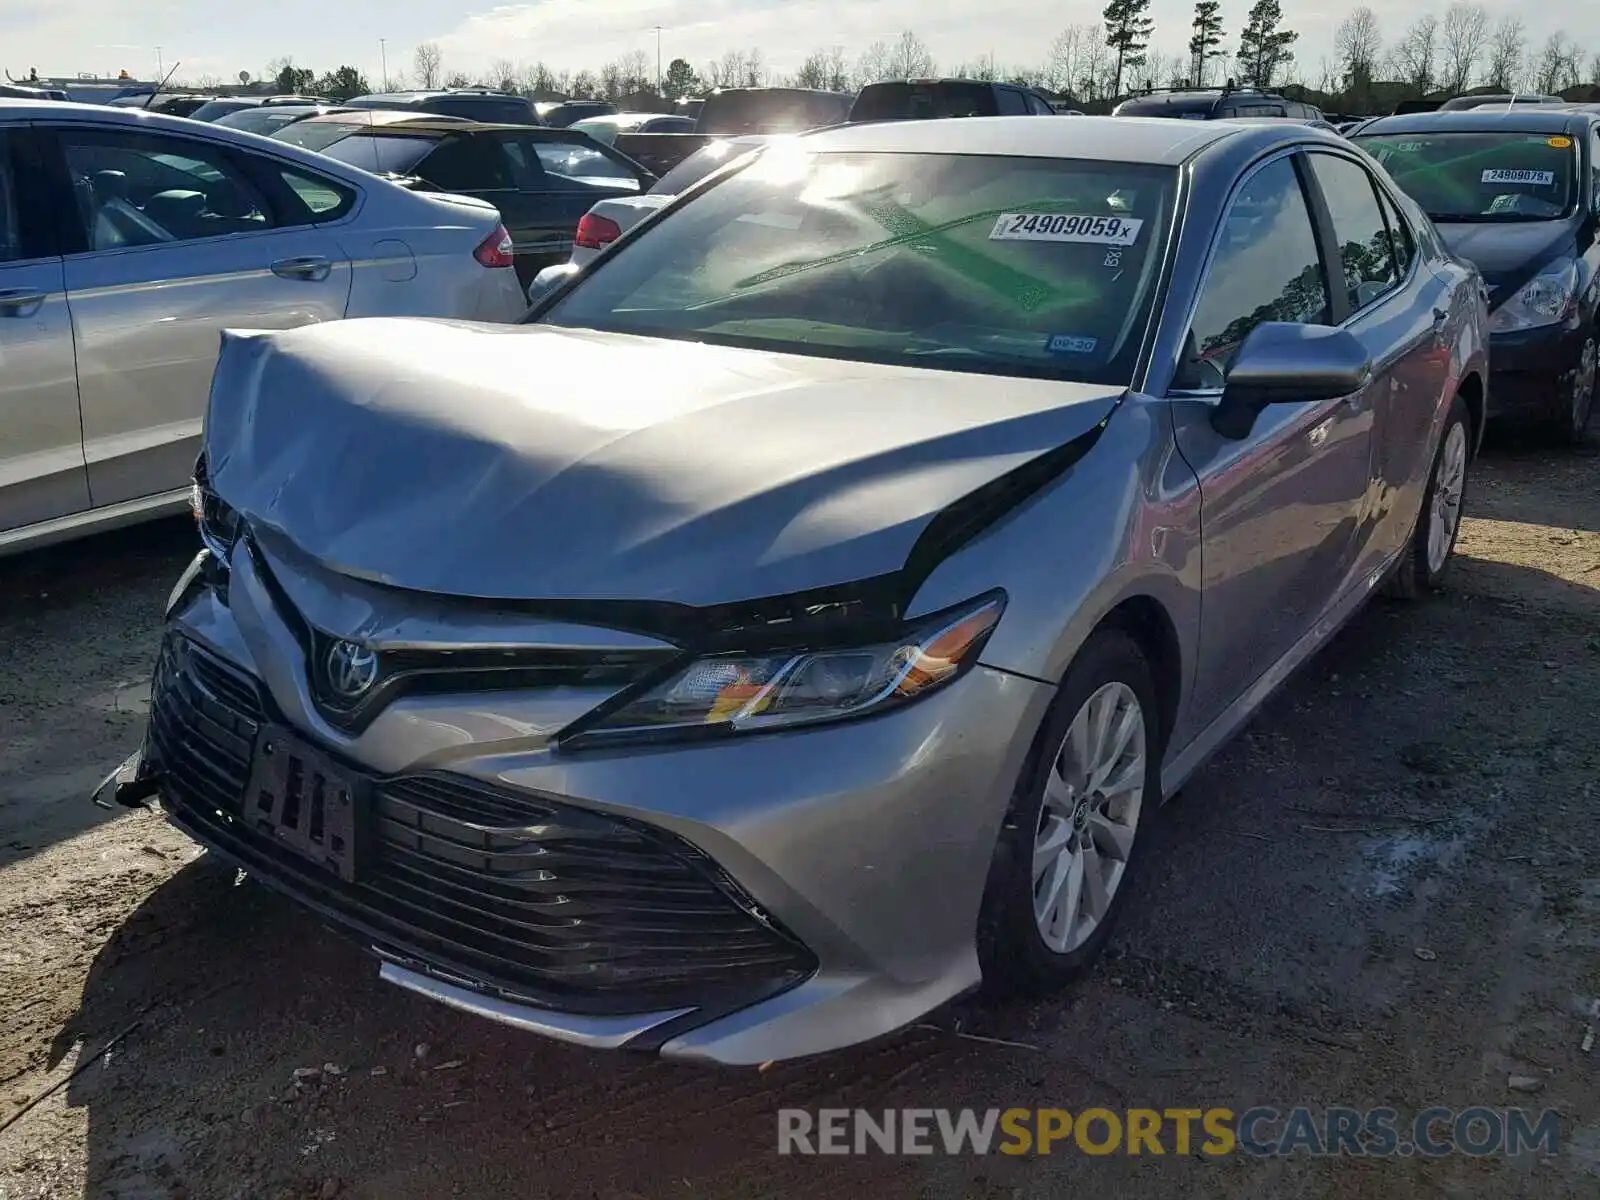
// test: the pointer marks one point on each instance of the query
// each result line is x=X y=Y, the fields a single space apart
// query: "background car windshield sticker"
x=1506 y=175
x=1068 y=343
x=1023 y=288
x=1560 y=143
x=1066 y=227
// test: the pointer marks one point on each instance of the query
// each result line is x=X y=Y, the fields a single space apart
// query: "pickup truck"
x=733 y=112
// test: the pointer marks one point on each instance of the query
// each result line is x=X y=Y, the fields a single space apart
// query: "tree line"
x=1091 y=65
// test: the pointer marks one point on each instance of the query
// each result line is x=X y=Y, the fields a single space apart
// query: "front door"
x=178 y=238
x=1279 y=508
x=41 y=442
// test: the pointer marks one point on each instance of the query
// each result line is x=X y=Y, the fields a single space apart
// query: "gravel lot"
x=1385 y=892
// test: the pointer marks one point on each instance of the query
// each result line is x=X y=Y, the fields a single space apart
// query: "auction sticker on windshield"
x=1502 y=175
x=1060 y=227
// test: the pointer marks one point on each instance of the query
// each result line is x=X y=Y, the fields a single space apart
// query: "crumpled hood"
x=532 y=462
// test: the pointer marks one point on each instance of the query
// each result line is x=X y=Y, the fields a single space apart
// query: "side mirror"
x=549 y=279
x=1281 y=363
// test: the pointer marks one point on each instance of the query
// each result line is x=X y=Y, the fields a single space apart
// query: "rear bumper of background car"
x=1530 y=371
x=824 y=884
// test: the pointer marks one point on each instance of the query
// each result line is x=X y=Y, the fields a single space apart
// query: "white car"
x=611 y=218
x=130 y=240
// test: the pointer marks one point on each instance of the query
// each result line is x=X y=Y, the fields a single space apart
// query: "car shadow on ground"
x=262 y=1057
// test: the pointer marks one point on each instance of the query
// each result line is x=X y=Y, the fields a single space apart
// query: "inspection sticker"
x=1066 y=343
x=1059 y=227
x=1501 y=175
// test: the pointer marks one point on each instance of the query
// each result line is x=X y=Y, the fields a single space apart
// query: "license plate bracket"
x=305 y=801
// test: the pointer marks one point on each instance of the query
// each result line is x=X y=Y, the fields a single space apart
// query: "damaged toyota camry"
x=797 y=621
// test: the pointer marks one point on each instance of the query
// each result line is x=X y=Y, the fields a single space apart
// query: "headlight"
x=736 y=693
x=219 y=524
x=1546 y=299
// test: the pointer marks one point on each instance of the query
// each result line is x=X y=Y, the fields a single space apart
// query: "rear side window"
x=1401 y=240
x=489 y=109
x=1038 y=106
x=382 y=154
x=468 y=164
x=1011 y=102
x=324 y=199
x=10 y=208
x=1359 y=228
x=573 y=162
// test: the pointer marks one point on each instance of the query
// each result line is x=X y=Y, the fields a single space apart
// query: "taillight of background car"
x=596 y=233
x=495 y=250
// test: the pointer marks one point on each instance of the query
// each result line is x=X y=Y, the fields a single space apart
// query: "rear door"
x=173 y=239
x=558 y=180
x=42 y=475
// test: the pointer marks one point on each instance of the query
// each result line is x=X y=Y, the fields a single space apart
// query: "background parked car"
x=609 y=219
x=475 y=104
x=923 y=99
x=173 y=104
x=314 y=133
x=211 y=110
x=268 y=119
x=605 y=129
x=732 y=112
x=100 y=404
x=1214 y=104
x=1516 y=191
x=541 y=180
x=559 y=114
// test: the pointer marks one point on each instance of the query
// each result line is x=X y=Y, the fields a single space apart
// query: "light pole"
x=383 y=60
x=161 y=68
x=659 y=89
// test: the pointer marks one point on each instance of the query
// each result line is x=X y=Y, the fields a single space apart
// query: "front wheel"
x=1573 y=423
x=1422 y=566
x=1062 y=866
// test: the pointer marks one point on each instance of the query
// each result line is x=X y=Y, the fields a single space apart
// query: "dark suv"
x=497 y=108
x=1214 y=104
x=911 y=99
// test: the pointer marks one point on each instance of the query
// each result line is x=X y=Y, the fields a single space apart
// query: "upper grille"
x=559 y=905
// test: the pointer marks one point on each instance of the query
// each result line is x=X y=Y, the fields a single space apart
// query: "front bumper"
x=827 y=881
x=1530 y=371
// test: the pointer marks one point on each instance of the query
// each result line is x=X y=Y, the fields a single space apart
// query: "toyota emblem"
x=351 y=669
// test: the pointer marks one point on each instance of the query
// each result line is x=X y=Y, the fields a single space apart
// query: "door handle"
x=20 y=302
x=312 y=267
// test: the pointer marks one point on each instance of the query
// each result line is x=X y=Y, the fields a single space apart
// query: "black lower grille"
x=528 y=896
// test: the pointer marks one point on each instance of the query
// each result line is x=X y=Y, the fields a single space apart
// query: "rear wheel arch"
x=1470 y=389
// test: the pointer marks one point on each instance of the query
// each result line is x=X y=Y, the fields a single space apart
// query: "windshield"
x=698 y=165
x=1491 y=176
x=1010 y=266
x=776 y=111
x=904 y=101
x=263 y=119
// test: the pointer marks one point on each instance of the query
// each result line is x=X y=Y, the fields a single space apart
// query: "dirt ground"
x=1384 y=893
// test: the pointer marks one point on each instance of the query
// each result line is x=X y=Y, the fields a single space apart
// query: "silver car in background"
x=939 y=497
x=129 y=241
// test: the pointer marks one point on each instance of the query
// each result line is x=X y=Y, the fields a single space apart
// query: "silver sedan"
x=129 y=241
x=938 y=497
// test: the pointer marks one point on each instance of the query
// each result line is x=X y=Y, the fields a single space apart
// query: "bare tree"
x=504 y=75
x=583 y=86
x=909 y=58
x=1359 y=45
x=1558 y=65
x=1414 y=55
x=1463 y=36
x=1061 y=71
x=1594 y=70
x=540 y=82
x=825 y=70
x=873 y=65
x=428 y=64
x=755 y=70
x=1508 y=52
x=457 y=79
x=726 y=71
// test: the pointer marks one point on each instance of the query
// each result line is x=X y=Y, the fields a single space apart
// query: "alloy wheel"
x=1089 y=818
x=1445 y=513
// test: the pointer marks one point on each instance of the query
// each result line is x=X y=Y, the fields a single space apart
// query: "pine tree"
x=1263 y=47
x=1128 y=29
x=1207 y=40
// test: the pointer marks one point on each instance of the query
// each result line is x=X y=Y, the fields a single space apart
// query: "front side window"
x=142 y=189
x=468 y=164
x=1011 y=102
x=1265 y=268
x=1482 y=177
x=1010 y=266
x=1359 y=228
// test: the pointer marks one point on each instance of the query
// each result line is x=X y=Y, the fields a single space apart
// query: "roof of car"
x=410 y=124
x=1523 y=118
x=1120 y=139
x=379 y=117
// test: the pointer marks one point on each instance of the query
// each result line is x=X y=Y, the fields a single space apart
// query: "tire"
x=1013 y=949
x=1571 y=425
x=1420 y=571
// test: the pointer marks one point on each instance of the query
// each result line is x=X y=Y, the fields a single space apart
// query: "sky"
x=66 y=37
